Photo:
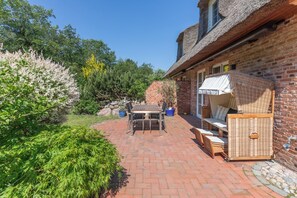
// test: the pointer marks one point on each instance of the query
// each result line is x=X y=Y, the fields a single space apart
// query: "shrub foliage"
x=58 y=162
x=33 y=89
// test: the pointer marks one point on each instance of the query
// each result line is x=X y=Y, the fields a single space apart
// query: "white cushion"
x=207 y=132
x=221 y=113
x=218 y=140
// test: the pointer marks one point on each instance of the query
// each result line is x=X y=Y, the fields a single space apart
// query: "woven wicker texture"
x=252 y=94
x=240 y=145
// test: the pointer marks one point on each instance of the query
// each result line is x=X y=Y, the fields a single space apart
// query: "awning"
x=216 y=85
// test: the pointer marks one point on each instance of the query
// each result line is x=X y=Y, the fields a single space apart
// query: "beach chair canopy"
x=216 y=85
x=251 y=94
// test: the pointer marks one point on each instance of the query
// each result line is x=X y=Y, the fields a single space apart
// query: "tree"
x=100 y=50
x=158 y=75
x=124 y=79
x=92 y=66
x=23 y=26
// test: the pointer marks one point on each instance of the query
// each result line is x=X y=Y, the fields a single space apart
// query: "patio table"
x=147 y=110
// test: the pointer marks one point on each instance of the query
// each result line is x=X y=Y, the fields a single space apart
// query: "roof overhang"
x=274 y=11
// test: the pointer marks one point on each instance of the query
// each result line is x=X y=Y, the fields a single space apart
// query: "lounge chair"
x=215 y=145
x=201 y=132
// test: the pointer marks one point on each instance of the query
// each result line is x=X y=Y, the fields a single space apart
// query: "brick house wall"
x=193 y=93
x=273 y=56
x=183 y=97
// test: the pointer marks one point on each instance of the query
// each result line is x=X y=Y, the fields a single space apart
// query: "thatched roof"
x=189 y=38
x=241 y=17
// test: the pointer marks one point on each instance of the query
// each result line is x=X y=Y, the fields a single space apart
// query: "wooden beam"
x=272 y=101
x=250 y=158
x=264 y=115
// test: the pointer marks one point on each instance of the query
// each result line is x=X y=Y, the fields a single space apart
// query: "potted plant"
x=168 y=91
x=122 y=112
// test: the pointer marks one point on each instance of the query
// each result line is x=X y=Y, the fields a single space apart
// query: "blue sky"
x=144 y=31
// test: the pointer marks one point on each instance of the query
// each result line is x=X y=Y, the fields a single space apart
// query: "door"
x=200 y=97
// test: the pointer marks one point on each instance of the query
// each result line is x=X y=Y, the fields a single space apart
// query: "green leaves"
x=24 y=25
x=124 y=79
x=32 y=90
x=73 y=162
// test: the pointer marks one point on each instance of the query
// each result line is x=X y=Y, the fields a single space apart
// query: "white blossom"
x=48 y=78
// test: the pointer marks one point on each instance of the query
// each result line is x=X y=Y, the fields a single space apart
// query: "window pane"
x=216 y=70
x=200 y=78
x=215 y=13
x=199 y=98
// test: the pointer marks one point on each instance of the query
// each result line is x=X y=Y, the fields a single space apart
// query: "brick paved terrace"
x=173 y=165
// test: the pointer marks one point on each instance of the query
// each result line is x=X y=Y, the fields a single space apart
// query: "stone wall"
x=273 y=56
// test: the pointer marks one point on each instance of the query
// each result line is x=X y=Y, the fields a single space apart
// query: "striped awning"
x=216 y=85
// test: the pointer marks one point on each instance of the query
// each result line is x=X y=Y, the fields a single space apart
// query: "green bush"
x=20 y=110
x=57 y=162
x=86 y=107
x=32 y=90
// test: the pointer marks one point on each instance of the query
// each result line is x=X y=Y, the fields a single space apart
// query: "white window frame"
x=197 y=94
x=210 y=15
x=221 y=65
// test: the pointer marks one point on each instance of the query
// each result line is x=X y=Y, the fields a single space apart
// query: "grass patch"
x=86 y=120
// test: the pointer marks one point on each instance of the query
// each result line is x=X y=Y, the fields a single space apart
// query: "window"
x=180 y=50
x=200 y=97
x=216 y=70
x=221 y=67
x=213 y=14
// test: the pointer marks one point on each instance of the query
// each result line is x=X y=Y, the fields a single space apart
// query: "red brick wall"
x=183 y=96
x=194 y=93
x=274 y=57
x=152 y=95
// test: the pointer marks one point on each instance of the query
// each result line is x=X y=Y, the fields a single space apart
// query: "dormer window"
x=180 y=50
x=213 y=14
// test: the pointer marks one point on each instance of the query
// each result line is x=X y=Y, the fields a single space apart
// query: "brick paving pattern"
x=173 y=165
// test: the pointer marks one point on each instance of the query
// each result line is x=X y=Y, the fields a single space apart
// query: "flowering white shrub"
x=30 y=85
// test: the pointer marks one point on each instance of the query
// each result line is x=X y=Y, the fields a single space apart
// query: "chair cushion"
x=207 y=132
x=221 y=113
x=217 y=140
